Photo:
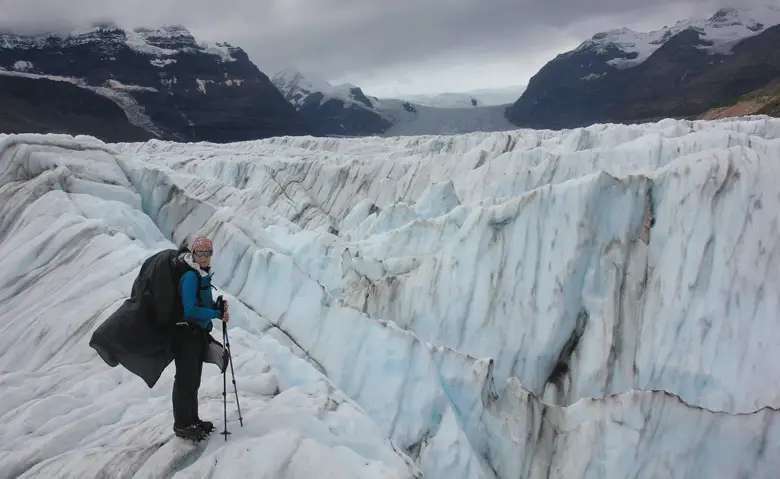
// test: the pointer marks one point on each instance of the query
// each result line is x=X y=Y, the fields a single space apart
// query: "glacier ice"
x=596 y=302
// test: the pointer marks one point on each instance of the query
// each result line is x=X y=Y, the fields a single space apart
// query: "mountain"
x=335 y=110
x=599 y=303
x=678 y=71
x=346 y=110
x=168 y=86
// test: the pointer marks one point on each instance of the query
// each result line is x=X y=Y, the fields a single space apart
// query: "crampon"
x=194 y=432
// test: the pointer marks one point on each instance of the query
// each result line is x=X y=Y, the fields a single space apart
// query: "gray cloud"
x=334 y=37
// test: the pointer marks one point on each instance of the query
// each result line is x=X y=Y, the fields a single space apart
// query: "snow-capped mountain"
x=168 y=84
x=345 y=109
x=334 y=109
x=677 y=71
x=299 y=89
x=719 y=32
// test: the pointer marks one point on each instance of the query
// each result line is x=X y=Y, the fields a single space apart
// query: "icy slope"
x=435 y=120
x=469 y=99
x=486 y=305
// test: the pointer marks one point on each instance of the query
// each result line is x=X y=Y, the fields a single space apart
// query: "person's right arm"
x=188 y=285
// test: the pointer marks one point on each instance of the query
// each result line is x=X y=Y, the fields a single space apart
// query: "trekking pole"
x=225 y=358
x=232 y=373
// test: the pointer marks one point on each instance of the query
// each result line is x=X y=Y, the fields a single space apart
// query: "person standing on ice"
x=189 y=342
x=166 y=319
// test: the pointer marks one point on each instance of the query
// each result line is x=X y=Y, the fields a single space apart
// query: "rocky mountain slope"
x=678 y=71
x=41 y=105
x=345 y=110
x=764 y=101
x=168 y=85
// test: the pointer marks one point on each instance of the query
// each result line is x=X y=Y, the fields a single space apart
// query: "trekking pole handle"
x=221 y=306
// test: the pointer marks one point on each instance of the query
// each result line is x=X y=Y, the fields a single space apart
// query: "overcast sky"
x=385 y=46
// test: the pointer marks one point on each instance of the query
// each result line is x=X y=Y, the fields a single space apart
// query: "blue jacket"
x=190 y=285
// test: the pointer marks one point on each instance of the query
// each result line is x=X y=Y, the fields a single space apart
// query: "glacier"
x=584 y=303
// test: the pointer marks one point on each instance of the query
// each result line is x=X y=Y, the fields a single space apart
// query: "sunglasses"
x=203 y=254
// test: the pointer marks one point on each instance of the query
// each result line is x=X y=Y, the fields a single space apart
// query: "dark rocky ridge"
x=190 y=92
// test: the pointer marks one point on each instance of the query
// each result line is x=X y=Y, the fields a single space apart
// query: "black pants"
x=189 y=343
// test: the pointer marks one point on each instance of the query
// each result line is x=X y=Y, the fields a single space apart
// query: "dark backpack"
x=158 y=283
x=137 y=335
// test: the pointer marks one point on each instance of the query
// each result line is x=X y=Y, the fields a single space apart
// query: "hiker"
x=167 y=318
x=190 y=337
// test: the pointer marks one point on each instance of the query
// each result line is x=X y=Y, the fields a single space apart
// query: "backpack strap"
x=184 y=268
x=198 y=300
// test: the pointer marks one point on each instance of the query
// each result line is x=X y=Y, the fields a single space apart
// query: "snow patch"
x=592 y=76
x=161 y=62
x=115 y=84
x=222 y=50
x=137 y=41
x=23 y=66
x=169 y=82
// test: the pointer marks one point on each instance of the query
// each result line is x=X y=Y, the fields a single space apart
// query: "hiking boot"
x=207 y=426
x=193 y=432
